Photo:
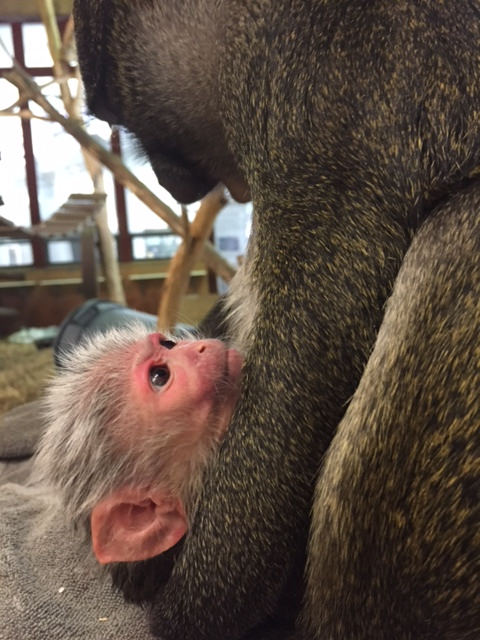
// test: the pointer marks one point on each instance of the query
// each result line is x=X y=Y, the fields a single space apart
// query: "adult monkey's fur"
x=351 y=122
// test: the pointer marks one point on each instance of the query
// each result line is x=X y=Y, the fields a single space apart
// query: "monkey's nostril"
x=201 y=348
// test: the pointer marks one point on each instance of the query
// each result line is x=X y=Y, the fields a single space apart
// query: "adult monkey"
x=349 y=122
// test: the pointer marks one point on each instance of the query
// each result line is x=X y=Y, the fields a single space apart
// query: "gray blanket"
x=49 y=588
x=20 y=430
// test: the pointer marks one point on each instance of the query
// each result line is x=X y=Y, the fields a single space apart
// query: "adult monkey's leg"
x=395 y=548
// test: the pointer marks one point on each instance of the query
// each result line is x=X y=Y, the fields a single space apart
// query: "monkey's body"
x=350 y=121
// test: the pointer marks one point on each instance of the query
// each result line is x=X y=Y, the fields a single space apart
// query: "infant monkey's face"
x=190 y=383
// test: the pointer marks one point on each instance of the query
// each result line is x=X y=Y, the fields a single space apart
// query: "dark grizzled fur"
x=350 y=121
x=215 y=323
x=139 y=581
x=395 y=539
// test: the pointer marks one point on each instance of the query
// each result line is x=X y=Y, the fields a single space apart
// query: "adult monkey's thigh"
x=395 y=548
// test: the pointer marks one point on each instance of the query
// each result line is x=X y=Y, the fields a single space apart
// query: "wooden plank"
x=13 y=232
x=100 y=197
x=57 y=231
x=74 y=220
x=88 y=207
x=88 y=263
x=60 y=216
x=69 y=219
x=27 y=9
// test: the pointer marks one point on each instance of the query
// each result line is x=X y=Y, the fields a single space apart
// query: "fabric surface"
x=49 y=589
x=17 y=470
x=20 y=430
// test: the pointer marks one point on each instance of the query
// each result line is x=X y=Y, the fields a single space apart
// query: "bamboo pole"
x=189 y=251
x=49 y=19
x=110 y=266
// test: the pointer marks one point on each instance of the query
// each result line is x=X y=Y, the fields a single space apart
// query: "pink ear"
x=136 y=524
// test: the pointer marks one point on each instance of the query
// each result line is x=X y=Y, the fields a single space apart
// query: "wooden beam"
x=11 y=10
x=190 y=250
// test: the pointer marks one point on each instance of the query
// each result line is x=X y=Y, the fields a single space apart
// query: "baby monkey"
x=133 y=418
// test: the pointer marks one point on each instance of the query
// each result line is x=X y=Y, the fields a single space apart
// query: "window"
x=16 y=253
x=41 y=165
x=35 y=46
x=13 y=179
x=7 y=41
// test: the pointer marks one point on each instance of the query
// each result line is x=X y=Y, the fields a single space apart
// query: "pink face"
x=195 y=383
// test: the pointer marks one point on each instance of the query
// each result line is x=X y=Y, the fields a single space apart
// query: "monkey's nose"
x=168 y=344
x=159 y=339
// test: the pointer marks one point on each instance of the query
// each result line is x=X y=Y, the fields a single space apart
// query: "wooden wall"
x=43 y=297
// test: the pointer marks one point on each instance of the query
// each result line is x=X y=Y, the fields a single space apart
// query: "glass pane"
x=50 y=90
x=109 y=187
x=59 y=165
x=36 y=46
x=7 y=41
x=231 y=232
x=140 y=218
x=15 y=253
x=57 y=180
x=63 y=251
x=100 y=129
x=155 y=246
x=13 y=182
x=8 y=94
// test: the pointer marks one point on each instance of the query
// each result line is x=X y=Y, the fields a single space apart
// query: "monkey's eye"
x=158 y=375
x=168 y=344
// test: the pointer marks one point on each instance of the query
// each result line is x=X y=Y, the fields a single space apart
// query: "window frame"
x=123 y=238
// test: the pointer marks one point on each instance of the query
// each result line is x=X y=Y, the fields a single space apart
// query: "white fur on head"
x=87 y=407
x=76 y=456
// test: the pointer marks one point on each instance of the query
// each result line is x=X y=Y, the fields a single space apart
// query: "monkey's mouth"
x=186 y=184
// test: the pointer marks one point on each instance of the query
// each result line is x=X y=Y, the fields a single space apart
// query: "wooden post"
x=188 y=252
x=106 y=241
x=89 y=266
